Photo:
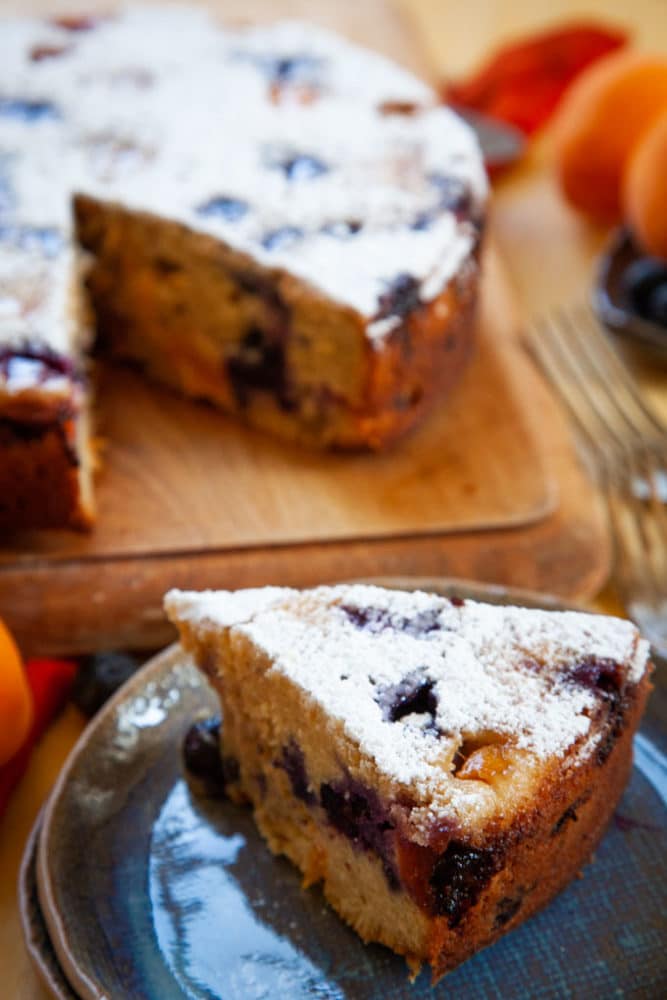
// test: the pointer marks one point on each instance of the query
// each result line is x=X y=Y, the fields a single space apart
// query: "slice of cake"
x=274 y=220
x=443 y=767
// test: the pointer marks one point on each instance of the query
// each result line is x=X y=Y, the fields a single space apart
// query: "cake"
x=443 y=767
x=270 y=219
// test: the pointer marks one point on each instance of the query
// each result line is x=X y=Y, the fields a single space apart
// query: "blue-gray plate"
x=142 y=888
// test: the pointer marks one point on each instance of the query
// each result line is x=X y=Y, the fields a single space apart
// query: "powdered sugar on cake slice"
x=407 y=673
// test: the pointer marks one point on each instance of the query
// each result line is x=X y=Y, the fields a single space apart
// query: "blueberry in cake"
x=272 y=219
x=444 y=767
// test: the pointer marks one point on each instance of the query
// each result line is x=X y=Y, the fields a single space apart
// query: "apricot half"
x=645 y=189
x=602 y=117
x=15 y=698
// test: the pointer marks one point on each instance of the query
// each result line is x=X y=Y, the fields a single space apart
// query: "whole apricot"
x=645 y=189
x=602 y=117
x=15 y=698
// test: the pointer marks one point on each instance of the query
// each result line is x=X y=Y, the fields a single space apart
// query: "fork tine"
x=605 y=359
x=658 y=521
x=595 y=384
x=639 y=549
x=553 y=346
x=607 y=394
x=628 y=445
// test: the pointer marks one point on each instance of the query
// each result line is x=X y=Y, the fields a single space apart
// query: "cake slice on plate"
x=444 y=767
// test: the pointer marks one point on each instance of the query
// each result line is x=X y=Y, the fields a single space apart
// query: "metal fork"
x=626 y=445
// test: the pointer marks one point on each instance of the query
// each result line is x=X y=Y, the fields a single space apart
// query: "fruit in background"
x=523 y=81
x=15 y=698
x=645 y=189
x=602 y=117
x=100 y=676
x=50 y=682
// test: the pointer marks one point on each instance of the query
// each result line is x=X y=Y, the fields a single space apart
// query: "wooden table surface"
x=550 y=256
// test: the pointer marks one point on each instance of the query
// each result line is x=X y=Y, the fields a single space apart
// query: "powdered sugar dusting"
x=221 y=607
x=164 y=111
x=502 y=670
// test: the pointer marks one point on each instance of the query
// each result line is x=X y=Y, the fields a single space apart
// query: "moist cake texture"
x=444 y=767
x=272 y=219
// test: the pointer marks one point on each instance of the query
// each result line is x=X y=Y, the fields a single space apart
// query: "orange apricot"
x=645 y=189
x=602 y=116
x=15 y=698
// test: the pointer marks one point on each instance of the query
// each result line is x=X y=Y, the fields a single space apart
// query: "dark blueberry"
x=400 y=298
x=507 y=908
x=279 y=239
x=346 y=810
x=454 y=195
x=599 y=674
x=342 y=230
x=17 y=430
x=293 y=764
x=423 y=623
x=424 y=220
x=28 y=110
x=613 y=727
x=202 y=757
x=301 y=68
x=54 y=363
x=459 y=877
x=357 y=813
x=372 y=619
x=298 y=69
x=645 y=285
x=201 y=750
x=224 y=207
x=300 y=166
x=45 y=240
x=100 y=676
x=259 y=365
x=414 y=695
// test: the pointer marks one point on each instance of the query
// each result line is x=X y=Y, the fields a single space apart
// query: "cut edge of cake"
x=429 y=838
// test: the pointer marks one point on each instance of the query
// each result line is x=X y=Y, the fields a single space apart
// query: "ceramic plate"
x=148 y=890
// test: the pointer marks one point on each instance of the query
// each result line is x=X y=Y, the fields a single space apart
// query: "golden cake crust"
x=444 y=768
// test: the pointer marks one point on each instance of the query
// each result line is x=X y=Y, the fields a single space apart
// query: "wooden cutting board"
x=487 y=488
x=178 y=476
